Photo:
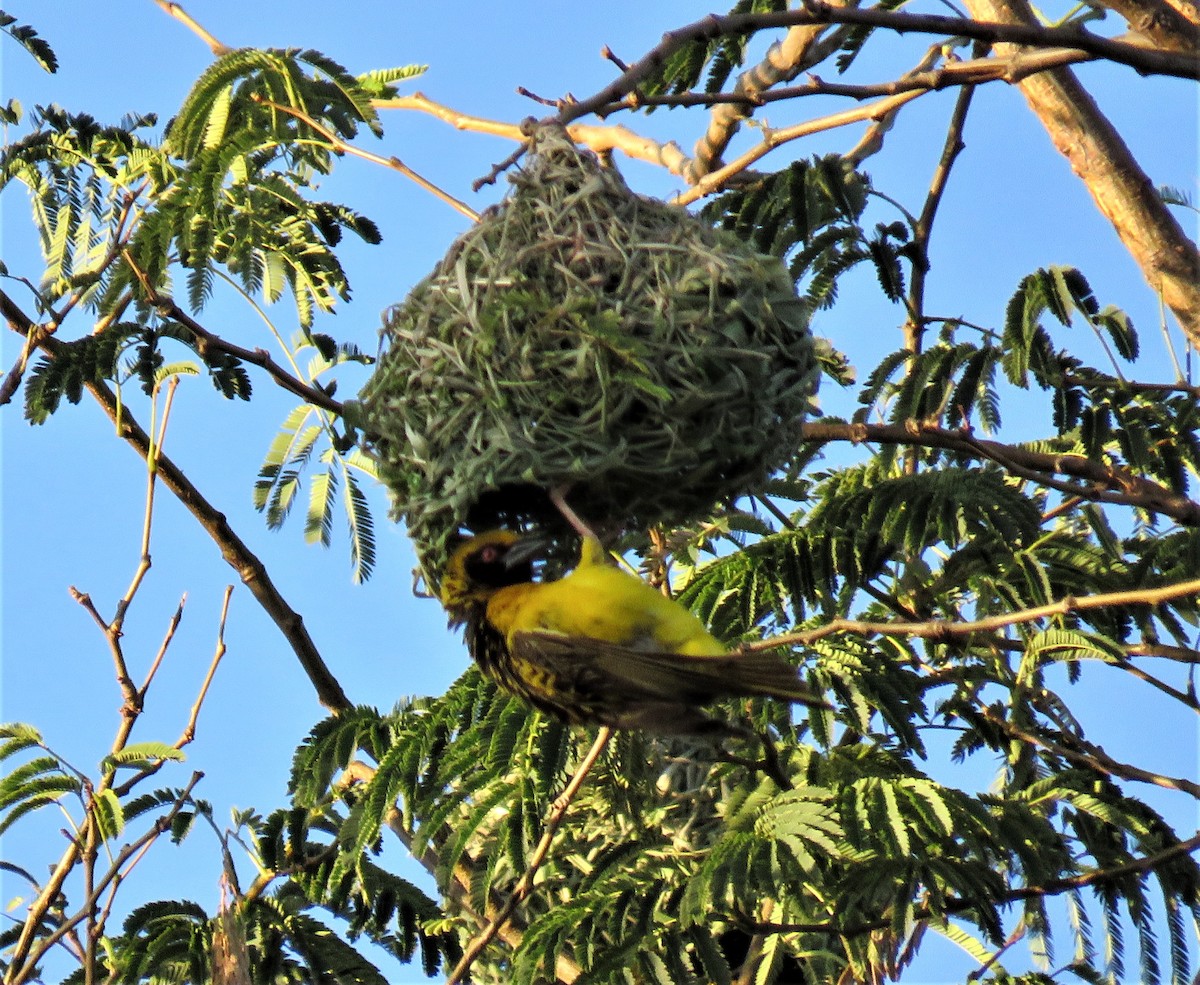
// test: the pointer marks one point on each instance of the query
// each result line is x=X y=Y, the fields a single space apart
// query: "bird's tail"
x=756 y=673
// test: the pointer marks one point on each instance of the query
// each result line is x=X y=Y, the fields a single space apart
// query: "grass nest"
x=580 y=334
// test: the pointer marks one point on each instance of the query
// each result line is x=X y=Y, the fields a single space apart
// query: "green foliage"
x=24 y=35
x=226 y=194
x=339 y=468
x=809 y=213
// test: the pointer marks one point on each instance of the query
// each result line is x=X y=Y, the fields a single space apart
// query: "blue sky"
x=72 y=493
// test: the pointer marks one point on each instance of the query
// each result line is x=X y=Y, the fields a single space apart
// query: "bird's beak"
x=529 y=548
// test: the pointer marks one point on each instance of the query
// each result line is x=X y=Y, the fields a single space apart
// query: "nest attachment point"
x=580 y=334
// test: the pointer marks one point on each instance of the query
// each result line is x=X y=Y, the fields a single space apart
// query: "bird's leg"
x=558 y=498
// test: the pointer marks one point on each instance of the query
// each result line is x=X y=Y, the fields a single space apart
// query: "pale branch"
x=524 y=886
x=1105 y=483
x=1159 y=23
x=944 y=629
x=801 y=47
x=1145 y=60
x=189 y=731
x=598 y=138
x=123 y=789
x=172 y=625
x=871 y=141
x=152 y=458
x=124 y=681
x=460 y=121
x=250 y=569
x=394 y=163
x=176 y=10
x=772 y=138
x=1051 y=887
x=1122 y=191
x=671 y=157
x=1189 y=10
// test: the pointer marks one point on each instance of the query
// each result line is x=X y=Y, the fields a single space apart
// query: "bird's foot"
x=558 y=497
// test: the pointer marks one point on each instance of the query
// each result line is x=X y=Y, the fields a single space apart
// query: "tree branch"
x=521 y=890
x=952 y=146
x=394 y=163
x=1159 y=22
x=250 y=569
x=942 y=629
x=714 y=180
x=176 y=10
x=801 y=47
x=461 y=880
x=1145 y=60
x=1120 y=188
x=1109 y=484
x=1092 y=757
x=205 y=340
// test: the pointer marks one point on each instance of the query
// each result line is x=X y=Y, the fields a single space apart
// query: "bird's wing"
x=618 y=673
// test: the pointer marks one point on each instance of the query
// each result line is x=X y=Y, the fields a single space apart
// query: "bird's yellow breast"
x=597 y=601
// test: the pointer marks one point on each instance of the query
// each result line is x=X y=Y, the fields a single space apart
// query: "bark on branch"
x=1122 y=191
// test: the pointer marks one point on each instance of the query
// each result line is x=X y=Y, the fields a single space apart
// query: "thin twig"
x=714 y=180
x=951 y=148
x=175 y=10
x=388 y=162
x=1017 y=934
x=944 y=629
x=1183 y=697
x=248 y=566
x=1093 y=758
x=189 y=733
x=172 y=625
x=558 y=811
x=152 y=457
x=1051 y=887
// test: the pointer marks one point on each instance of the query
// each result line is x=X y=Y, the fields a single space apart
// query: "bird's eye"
x=490 y=554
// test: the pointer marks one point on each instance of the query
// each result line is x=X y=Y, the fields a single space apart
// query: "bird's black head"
x=479 y=566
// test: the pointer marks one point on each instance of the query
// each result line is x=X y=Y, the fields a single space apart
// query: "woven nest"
x=583 y=335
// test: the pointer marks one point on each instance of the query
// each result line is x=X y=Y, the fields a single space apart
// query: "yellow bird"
x=599 y=646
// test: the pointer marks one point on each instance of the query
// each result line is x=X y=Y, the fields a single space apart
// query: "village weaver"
x=599 y=646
